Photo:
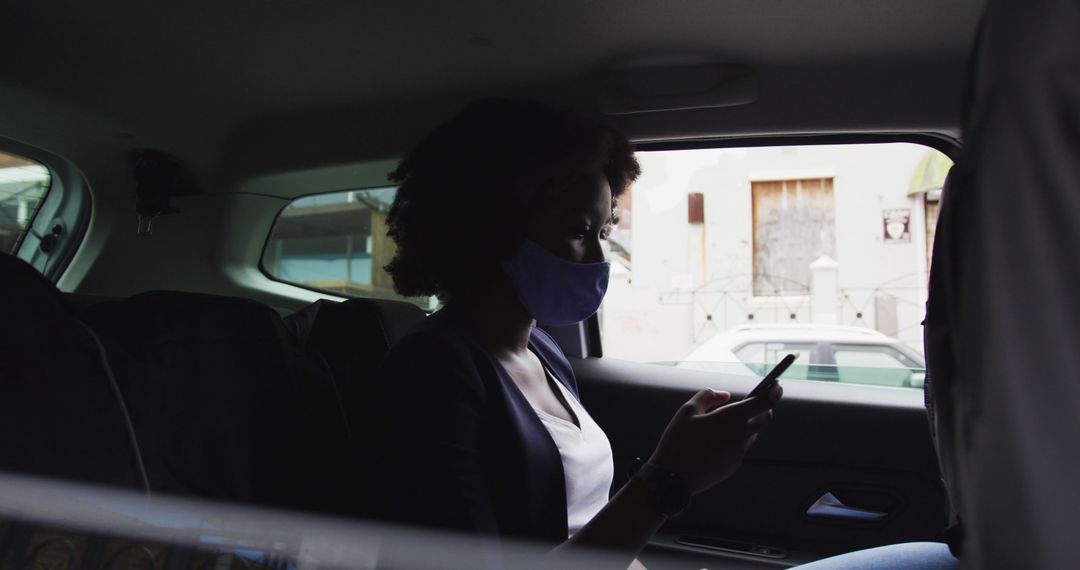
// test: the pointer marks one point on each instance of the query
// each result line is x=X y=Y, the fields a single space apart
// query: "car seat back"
x=61 y=413
x=227 y=405
x=1002 y=327
x=352 y=337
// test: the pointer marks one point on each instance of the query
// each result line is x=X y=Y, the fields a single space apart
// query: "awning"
x=930 y=173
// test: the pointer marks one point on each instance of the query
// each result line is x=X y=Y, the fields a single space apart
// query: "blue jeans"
x=906 y=556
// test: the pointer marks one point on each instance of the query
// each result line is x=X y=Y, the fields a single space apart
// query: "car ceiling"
x=237 y=89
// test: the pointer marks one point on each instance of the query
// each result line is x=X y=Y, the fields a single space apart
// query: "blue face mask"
x=555 y=291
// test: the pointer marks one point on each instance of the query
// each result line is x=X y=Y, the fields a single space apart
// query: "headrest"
x=354 y=335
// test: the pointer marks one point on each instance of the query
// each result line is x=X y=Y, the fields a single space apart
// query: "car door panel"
x=868 y=446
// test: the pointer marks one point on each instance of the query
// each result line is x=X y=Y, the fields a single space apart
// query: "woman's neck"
x=496 y=317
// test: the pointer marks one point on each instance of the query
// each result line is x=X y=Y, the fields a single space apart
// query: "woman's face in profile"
x=573 y=219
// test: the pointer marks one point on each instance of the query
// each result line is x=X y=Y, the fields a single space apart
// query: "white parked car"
x=854 y=355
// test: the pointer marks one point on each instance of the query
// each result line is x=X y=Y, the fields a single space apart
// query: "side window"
x=746 y=254
x=337 y=243
x=761 y=356
x=44 y=208
x=24 y=183
x=753 y=352
x=874 y=364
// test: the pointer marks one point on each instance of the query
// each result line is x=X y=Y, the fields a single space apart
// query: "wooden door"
x=794 y=224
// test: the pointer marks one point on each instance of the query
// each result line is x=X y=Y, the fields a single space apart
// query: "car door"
x=844 y=465
x=833 y=444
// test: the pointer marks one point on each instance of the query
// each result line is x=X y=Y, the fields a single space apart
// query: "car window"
x=720 y=254
x=337 y=243
x=873 y=364
x=24 y=183
x=761 y=356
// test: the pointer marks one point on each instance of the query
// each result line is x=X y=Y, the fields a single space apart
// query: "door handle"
x=829 y=506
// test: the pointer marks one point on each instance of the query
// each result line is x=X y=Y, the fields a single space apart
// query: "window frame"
x=589 y=330
x=328 y=292
x=71 y=206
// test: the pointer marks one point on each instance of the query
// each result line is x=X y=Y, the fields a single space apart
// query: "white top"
x=588 y=467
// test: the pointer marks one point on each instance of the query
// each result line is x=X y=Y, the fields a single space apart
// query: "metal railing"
x=729 y=301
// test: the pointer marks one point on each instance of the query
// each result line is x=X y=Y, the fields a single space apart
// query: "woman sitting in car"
x=502 y=212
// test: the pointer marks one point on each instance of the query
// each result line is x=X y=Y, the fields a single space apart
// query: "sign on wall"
x=897 y=225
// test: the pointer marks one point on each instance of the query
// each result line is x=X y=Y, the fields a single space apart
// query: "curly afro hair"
x=466 y=190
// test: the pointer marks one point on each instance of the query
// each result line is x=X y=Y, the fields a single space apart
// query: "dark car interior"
x=145 y=347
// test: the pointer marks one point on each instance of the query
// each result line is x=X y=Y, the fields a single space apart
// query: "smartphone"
x=772 y=377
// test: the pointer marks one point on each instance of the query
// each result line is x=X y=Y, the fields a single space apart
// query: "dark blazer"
x=456 y=444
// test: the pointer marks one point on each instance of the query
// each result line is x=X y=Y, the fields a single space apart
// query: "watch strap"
x=670 y=492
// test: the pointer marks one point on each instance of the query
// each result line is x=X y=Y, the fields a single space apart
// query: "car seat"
x=61 y=411
x=225 y=403
x=1002 y=322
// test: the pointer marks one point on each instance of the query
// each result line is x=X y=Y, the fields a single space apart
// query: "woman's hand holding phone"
x=707 y=437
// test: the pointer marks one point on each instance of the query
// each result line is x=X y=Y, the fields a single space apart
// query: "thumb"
x=747 y=408
x=703 y=402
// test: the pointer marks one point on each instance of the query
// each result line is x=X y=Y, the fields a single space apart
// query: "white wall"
x=650 y=314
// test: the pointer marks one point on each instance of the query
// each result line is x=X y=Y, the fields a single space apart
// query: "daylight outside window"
x=23 y=186
x=336 y=242
x=728 y=259
x=723 y=260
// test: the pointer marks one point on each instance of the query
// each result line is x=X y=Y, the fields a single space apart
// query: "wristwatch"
x=670 y=492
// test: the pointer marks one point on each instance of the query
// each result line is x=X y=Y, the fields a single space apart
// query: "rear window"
x=728 y=259
x=337 y=243
x=24 y=183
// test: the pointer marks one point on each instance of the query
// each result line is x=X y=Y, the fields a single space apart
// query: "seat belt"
x=115 y=386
